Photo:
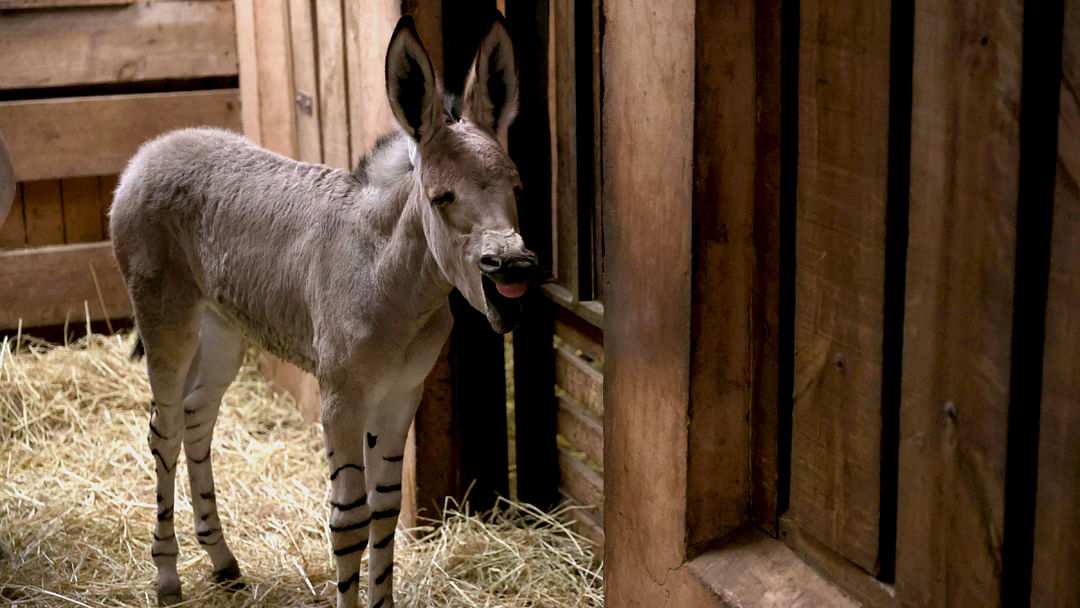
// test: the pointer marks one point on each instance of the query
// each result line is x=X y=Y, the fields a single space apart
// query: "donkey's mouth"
x=503 y=304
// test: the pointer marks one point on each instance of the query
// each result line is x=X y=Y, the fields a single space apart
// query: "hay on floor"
x=77 y=503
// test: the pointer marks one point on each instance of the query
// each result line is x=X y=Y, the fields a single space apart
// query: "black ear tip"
x=406 y=22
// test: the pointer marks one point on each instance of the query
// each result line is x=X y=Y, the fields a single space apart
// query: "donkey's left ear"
x=491 y=90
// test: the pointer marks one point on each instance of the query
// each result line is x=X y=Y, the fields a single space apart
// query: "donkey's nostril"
x=490 y=263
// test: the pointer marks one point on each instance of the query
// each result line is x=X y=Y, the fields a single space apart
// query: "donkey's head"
x=466 y=185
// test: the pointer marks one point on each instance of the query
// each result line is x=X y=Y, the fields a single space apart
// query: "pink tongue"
x=511 y=291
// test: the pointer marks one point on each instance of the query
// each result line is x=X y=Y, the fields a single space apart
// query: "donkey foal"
x=344 y=274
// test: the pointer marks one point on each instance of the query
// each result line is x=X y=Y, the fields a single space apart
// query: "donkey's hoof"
x=169 y=595
x=228 y=578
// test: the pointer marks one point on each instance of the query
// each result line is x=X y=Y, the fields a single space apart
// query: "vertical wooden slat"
x=563 y=88
x=305 y=82
x=44 y=212
x=597 y=101
x=13 y=230
x=333 y=104
x=82 y=209
x=1054 y=583
x=263 y=48
x=840 y=276
x=959 y=302
x=247 y=57
x=368 y=26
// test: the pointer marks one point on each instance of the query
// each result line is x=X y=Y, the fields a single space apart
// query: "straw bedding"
x=77 y=503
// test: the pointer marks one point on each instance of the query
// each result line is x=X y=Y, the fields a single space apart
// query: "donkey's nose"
x=518 y=268
x=490 y=264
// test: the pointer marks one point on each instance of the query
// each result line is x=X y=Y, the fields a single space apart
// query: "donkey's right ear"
x=410 y=82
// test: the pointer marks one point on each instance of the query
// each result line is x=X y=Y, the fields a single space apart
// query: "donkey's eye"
x=443 y=199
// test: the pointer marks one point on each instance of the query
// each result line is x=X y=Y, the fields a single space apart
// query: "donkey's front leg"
x=384 y=443
x=350 y=514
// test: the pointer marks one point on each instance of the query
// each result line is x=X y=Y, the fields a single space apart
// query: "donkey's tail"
x=138 y=352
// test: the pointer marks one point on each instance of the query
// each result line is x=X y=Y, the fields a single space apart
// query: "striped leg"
x=350 y=515
x=384 y=444
x=220 y=353
x=169 y=349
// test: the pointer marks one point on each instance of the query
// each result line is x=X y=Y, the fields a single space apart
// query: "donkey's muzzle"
x=519 y=267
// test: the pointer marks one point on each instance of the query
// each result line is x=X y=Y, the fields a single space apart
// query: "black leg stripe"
x=200 y=460
x=394 y=458
x=379 y=603
x=385 y=514
x=165 y=515
x=360 y=546
x=371 y=440
x=391 y=488
x=350 y=505
x=344 y=585
x=208 y=495
x=154 y=430
x=163 y=554
x=169 y=537
x=161 y=459
x=346 y=528
x=208 y=532
x=192 y=427
x=385 y=575
x=338 y=470
x=208 y=543
x=384 y=542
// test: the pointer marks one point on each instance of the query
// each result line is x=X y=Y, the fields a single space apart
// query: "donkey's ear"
x=410 y=82
x=491 y=90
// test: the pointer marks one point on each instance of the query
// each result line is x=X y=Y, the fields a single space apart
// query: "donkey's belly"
x=287 y=338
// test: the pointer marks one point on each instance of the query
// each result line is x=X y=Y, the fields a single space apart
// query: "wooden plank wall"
x=84 y=87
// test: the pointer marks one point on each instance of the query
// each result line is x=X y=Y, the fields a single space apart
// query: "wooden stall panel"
x=79 y=136
x=839 y=283
x=13 y=230
x=333 y=103
x=1054 y=583
x=959 y=302
x=81 y=277
x=580 y=380
x=143 y=41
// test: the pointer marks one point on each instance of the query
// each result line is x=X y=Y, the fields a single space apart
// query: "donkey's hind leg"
x=220 y=352
x=170 y=335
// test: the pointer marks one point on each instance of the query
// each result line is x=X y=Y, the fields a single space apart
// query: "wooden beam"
x=53 y=138
x=582 y=484
x=48 y=285
x=580 y=380
x=142 y=41
x=581 y=428
x=332 y=100
x=840 y=276
x=959 y=304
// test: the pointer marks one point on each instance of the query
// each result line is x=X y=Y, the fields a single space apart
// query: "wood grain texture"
x=82 y=209
x=582 y=484
x=333 y=103
x=648 y=193
x=369 y=25
x=43 y=209
x=143 y=41
x=563 y=91
x=1054 y=583
x=13 y=229
x=42 y=4
x=958 y=307
x=52 y=138
x=580 y=380
x=723 y=208
x=580 y=335
x=47 y=285
x=840 y=274
x=581 y=428
x=305 y=82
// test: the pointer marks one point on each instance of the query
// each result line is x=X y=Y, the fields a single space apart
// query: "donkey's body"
x=344 y=274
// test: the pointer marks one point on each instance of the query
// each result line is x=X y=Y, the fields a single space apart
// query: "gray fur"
x=345 y=274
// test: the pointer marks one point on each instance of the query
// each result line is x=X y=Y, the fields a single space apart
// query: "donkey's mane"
x=451 y=103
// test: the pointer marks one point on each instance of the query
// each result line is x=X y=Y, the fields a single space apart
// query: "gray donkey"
x=346 y=275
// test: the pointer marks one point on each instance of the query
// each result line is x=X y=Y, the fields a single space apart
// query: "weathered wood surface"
x=55 y=138
x=42 y=4
x=72 y=210
x=581 y=428
x=580 y=335
x=306 y=94
x=369 y=25
x=1054 y=580
x=69 y=272
x=43 y=211
x=143 y=41
x=82 y=209
x=333 y=102
x=582 y=484
x=266 y=87
x=580 y=380
x=563 y=92
x=959 y=302
x=13 y=229
x=840 y=274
